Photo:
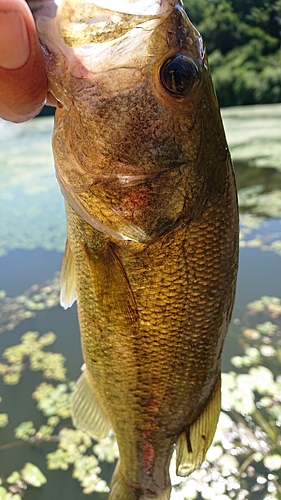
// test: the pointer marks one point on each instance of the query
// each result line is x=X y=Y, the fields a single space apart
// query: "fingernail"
x=14 y=41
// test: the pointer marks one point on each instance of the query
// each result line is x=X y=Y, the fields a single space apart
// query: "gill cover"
x=128 y=178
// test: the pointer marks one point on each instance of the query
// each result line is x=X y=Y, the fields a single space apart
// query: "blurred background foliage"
x=243 y=40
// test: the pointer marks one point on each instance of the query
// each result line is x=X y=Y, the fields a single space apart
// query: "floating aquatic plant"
x=270 y=306
x=18 y=481
x=254 y=134
x=73 y=447
x=4 y=419
x=13 y=310
x=54 y=400
x=32 y=475
x=28 y=219
x=31 y=350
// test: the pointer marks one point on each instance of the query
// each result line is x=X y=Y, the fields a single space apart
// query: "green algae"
x=31 y=206
x=73 y=448
x=254 y=134
x=14 y=310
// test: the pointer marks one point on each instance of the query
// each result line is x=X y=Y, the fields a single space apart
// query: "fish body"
x=142 y=160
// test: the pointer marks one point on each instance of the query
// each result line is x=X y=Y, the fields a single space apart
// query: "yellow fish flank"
x=143 y=164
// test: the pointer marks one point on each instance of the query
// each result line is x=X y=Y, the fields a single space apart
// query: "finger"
x=23 y=81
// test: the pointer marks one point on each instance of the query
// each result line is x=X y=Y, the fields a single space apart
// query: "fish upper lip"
x=138 y=7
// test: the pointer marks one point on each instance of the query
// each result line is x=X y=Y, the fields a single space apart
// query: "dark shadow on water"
x=248 y=175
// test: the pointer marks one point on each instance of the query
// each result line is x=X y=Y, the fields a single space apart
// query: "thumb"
x=23 y=81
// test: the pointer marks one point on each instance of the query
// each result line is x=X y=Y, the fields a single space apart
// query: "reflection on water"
x=32 y=229
x=269 y=178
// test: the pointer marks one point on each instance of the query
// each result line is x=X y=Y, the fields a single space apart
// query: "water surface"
x=32 y=229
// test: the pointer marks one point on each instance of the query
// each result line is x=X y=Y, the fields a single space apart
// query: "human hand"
x=23 y=80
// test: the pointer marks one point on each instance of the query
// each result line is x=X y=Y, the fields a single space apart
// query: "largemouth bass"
x=143 y=164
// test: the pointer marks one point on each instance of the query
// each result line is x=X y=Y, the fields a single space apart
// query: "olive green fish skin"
x=153 y=230
x=155 y=371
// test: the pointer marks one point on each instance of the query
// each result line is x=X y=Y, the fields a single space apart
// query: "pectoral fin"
x=114 y=300
x=193 y=443
x=87 y=415
x=67 y=278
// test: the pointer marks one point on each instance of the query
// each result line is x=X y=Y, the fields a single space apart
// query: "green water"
x=32 y=236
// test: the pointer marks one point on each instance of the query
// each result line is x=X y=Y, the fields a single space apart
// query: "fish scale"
x=142 y=161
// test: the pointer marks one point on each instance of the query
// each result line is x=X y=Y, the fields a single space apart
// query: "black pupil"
x=178 y=75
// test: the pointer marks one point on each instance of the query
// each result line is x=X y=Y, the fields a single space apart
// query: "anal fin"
x=87 y=414
x=193 y=443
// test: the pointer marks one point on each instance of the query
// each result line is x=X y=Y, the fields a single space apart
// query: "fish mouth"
x=138 y=7
x=87 y=26
x=134 y=7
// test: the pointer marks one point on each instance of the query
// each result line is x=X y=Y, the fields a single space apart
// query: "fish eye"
x=178 y=75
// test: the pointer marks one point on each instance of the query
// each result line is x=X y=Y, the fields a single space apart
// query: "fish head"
x=138 y=121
